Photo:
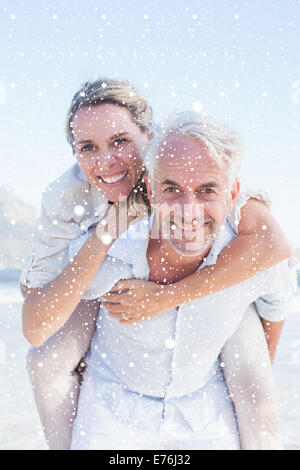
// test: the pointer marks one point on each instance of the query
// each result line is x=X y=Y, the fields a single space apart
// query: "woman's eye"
x=87 y=148
x=119 y=142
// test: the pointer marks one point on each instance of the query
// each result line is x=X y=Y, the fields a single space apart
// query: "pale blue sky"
x=239 y=59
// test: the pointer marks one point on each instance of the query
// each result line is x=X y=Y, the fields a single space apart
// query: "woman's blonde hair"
x=138 y=202
x=117 y=92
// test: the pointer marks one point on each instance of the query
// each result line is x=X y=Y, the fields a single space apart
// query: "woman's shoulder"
x=70 y=206
x=71 y=197
x=68 y=187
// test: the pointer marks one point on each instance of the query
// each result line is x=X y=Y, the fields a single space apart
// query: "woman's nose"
x=106 y=160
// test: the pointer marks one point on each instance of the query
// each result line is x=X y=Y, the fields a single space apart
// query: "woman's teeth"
x=114 y=179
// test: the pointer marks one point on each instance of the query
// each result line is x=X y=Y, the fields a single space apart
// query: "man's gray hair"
x=223 y=143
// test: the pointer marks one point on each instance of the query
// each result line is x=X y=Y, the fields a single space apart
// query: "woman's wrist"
x=171 y=296
x=101 y=240
x=179 y=293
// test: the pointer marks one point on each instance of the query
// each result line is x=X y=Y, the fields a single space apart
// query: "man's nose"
x=192 y=209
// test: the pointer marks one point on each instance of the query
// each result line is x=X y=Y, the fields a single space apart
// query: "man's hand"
x=135 y=300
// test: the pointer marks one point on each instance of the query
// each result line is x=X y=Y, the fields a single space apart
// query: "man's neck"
x=167 y=266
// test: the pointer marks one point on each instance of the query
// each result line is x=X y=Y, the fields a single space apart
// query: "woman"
x=108 y=127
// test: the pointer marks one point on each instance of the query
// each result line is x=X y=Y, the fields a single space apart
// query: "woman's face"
x=109 y=148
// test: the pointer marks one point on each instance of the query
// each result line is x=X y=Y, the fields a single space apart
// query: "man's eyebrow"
x=171 y=182
x=209 y=184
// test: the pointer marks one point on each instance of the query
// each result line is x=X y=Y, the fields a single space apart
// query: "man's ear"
x=234 y=193
x=148 y=135
x=147 y=181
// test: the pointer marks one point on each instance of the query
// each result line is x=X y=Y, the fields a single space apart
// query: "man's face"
x=191 y=194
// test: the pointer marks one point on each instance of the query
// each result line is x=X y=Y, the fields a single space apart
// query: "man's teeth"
x=115 y=179
x=189 y=227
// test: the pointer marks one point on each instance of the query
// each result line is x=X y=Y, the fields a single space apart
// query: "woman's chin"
x=115 y=194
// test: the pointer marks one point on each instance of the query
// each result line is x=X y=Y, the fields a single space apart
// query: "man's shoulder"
x=246 y=193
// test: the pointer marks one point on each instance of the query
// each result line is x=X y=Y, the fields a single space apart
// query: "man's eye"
x=171 y=189
x=87 y=148
x=207 y=191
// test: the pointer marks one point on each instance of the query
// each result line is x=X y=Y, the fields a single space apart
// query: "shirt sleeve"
x=49 y=254
x=245 y=194
x=276 y=306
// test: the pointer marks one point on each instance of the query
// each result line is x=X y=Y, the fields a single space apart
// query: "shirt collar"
x=131 y=246
x=223 y=238
x=99 y=202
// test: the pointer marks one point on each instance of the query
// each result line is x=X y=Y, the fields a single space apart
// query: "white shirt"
x=172 y=358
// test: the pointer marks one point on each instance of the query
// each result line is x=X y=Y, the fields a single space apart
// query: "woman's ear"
x=147 y=182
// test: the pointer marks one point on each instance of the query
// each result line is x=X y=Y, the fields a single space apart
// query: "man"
x=159 y=383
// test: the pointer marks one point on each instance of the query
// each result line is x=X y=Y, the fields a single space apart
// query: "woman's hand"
x=134 y=300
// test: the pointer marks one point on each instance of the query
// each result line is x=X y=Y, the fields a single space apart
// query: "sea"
x=20 y=428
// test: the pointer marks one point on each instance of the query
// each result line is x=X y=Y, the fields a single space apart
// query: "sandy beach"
x=19 y=422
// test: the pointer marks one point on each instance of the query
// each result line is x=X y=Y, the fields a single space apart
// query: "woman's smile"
x=117 y=178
